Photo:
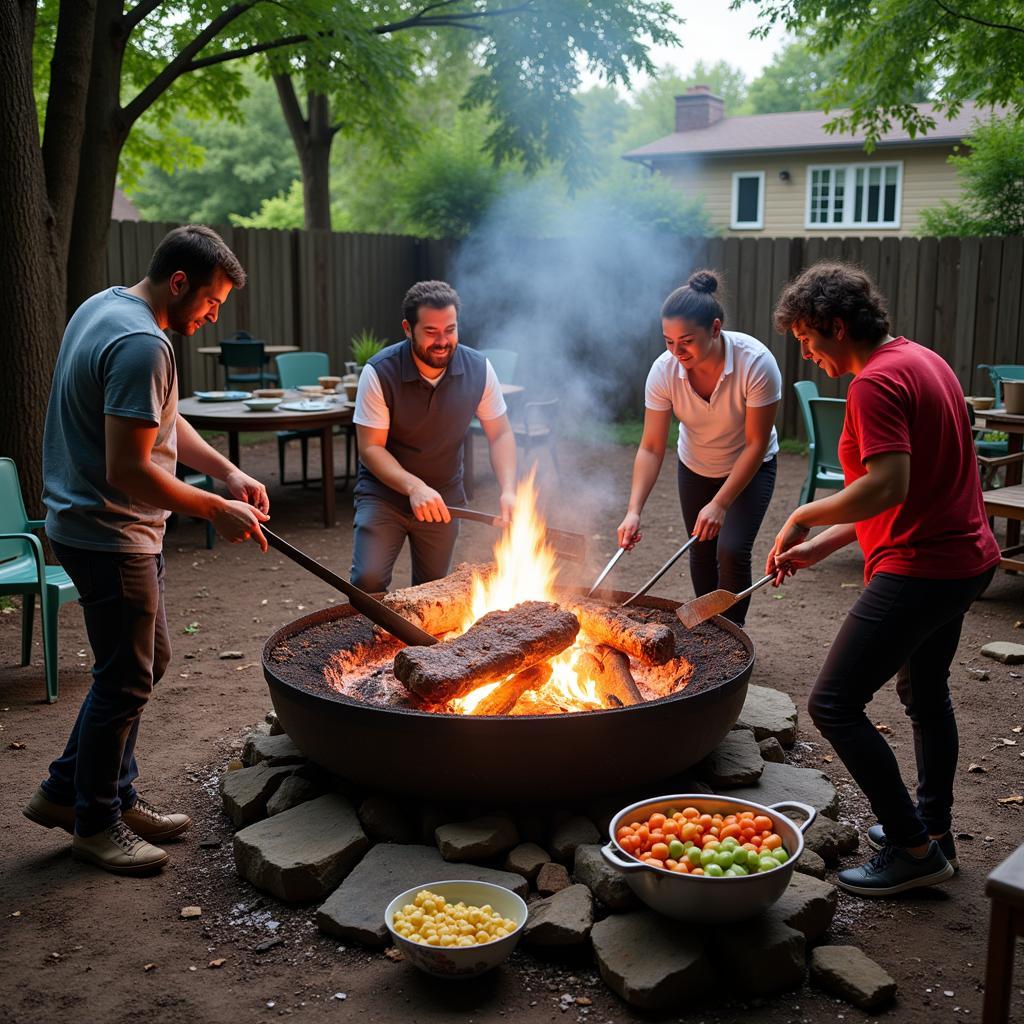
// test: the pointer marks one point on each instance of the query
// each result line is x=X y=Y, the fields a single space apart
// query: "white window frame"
x=849 y=181
x=735 y=224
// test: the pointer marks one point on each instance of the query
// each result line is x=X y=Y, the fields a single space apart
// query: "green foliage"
x=237 y=165
x=892 y=49
x=794 y=80
x=282 y=212
x=365 y=345
x=991 y=174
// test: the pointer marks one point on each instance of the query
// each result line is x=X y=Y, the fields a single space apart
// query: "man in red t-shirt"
x=913 y=501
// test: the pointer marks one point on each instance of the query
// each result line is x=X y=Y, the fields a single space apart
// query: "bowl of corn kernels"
x=456 y=929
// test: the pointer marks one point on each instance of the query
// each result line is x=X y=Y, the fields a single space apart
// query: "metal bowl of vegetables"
x=739 y=856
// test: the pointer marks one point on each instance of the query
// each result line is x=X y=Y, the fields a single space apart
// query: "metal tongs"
x=568 y=545
x=650 y=583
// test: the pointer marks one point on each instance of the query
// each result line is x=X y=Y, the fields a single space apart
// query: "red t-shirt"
x=907 y=399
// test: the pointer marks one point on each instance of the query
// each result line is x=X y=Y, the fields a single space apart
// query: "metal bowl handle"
x=609 y=853
x=809 y=812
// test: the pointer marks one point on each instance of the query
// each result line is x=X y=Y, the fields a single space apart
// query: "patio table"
x=234 y=417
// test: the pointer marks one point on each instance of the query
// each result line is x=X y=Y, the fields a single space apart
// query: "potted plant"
x=365 y=345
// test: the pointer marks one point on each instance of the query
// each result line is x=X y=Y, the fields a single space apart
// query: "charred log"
x=609 y=670
x=649 y=642
x=504 y=697
x=495 y=646
x=441 y=605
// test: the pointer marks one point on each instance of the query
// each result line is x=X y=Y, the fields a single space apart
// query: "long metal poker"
x=661 y=572
x=607 y=569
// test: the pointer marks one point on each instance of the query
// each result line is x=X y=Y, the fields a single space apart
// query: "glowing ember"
x=526 y=572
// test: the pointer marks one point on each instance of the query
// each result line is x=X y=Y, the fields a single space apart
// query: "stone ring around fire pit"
x=519 y=758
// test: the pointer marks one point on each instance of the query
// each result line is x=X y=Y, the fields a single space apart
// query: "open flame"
x=526 y=571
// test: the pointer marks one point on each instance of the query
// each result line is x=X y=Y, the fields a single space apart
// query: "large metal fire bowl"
x=511 y=759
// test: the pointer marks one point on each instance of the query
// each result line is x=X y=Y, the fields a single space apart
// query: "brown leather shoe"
x=149 y=823
x=43 y=811
x=120 y=850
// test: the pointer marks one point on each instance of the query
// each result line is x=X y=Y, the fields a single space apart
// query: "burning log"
x=609 y=671
x=503 y=698
x=495 y=646
x=441 y=605
x=650 y=642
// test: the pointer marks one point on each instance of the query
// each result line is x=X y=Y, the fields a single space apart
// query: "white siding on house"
x=927 y=180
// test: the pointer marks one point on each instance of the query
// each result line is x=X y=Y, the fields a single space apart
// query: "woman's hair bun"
x=704 y=281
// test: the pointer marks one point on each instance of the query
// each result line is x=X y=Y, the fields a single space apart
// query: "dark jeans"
x=381 y=529
x=724 y=561
x=909 y=628
x=122 y=596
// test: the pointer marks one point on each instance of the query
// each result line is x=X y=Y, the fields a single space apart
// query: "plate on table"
x=310 y=389
x=307 y=405
x=222 y=396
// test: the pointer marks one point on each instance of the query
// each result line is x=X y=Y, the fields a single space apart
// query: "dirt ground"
x=75 y=943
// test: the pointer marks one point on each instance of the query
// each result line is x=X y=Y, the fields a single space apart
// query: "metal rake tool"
x=701 y=609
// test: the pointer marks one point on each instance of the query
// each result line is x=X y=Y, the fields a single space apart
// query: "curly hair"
x=696 y=300
x=432 y=294
x=830 y=291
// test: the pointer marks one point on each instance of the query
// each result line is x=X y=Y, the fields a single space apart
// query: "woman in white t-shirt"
x=724 y=388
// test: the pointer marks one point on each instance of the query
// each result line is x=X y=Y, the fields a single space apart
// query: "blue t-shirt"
x=114 y=361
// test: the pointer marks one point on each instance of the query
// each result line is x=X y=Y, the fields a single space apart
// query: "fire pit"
x=514 y=758
x=538 y=694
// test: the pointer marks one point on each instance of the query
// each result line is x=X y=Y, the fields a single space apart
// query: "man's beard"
x=435 y=360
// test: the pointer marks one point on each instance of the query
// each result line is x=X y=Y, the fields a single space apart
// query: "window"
x=854 y=195
x=747 y=200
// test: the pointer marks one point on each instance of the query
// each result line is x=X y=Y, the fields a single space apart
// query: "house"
x=123 y=208
x=784 y=175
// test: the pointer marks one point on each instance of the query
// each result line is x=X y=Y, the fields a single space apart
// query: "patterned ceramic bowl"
x=460 y=961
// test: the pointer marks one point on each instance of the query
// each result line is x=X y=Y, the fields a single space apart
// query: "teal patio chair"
x=295 y=370
x=245 y=351
x=998 y=372
x=824 y=470
x=24 y=571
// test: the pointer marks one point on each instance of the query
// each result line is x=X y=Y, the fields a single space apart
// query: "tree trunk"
x=106 y=131
x=312 y=136
x=33 y=243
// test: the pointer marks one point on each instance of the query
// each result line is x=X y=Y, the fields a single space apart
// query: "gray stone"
x=651 y=962
x=787 y=782
x=552 y=878
x=564 y=919
x=736 y=761
x=810 y=864
x=274 y=750
x=479 y=839
x=771 y=750
x=355 y=910
x=387 y=821
x=808 y=905
x=1007 y=653
x=526 y=859
x=276 y=728
x=293 y=791
x=846 y=972
x=607 y=884
x=776 y=966
x=245 y=792
x=831 y=839
x=303 y=853
x=767 y=712
x=569 y=834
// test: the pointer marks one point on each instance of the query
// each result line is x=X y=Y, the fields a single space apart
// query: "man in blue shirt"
x=110 y=446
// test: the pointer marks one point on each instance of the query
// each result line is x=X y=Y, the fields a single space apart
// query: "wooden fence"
x=316 y=289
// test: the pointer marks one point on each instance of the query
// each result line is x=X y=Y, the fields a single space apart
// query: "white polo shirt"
x=712 y=432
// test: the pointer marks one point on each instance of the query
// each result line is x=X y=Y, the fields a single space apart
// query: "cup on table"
x=329 y=383
x=350 y=390
x=1013 y=395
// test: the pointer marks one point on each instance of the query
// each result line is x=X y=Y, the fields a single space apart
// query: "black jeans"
x=122 y=596
x=724 y=561
x=909 y=628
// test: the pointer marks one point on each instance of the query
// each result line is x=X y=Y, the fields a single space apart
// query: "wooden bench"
x=1008 y=503
x=1005 y=888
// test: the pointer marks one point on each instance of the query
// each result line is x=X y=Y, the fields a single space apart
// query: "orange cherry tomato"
x=705 y=821
x=744 y=815
x=624 y=831
x=763 y=823
x=671 y=827
x=729 y=830
x=659 y=851
x=689 y=813
x=683 y=867
x=730 y=819
x=656 y=821
x=655 y=863
x=773 y=842
x=670 y=863
x=689 y=832
x=749 y=846
x=696 y=871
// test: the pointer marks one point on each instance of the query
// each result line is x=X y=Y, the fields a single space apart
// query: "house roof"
x=798 y=130
x=123 y=208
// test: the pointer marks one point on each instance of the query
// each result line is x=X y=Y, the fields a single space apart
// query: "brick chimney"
x=699 y=107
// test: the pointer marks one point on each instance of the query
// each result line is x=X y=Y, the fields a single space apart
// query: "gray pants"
x=381 y=529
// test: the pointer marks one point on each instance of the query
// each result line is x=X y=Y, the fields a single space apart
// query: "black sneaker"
x=876 y=840
x=892 y=870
